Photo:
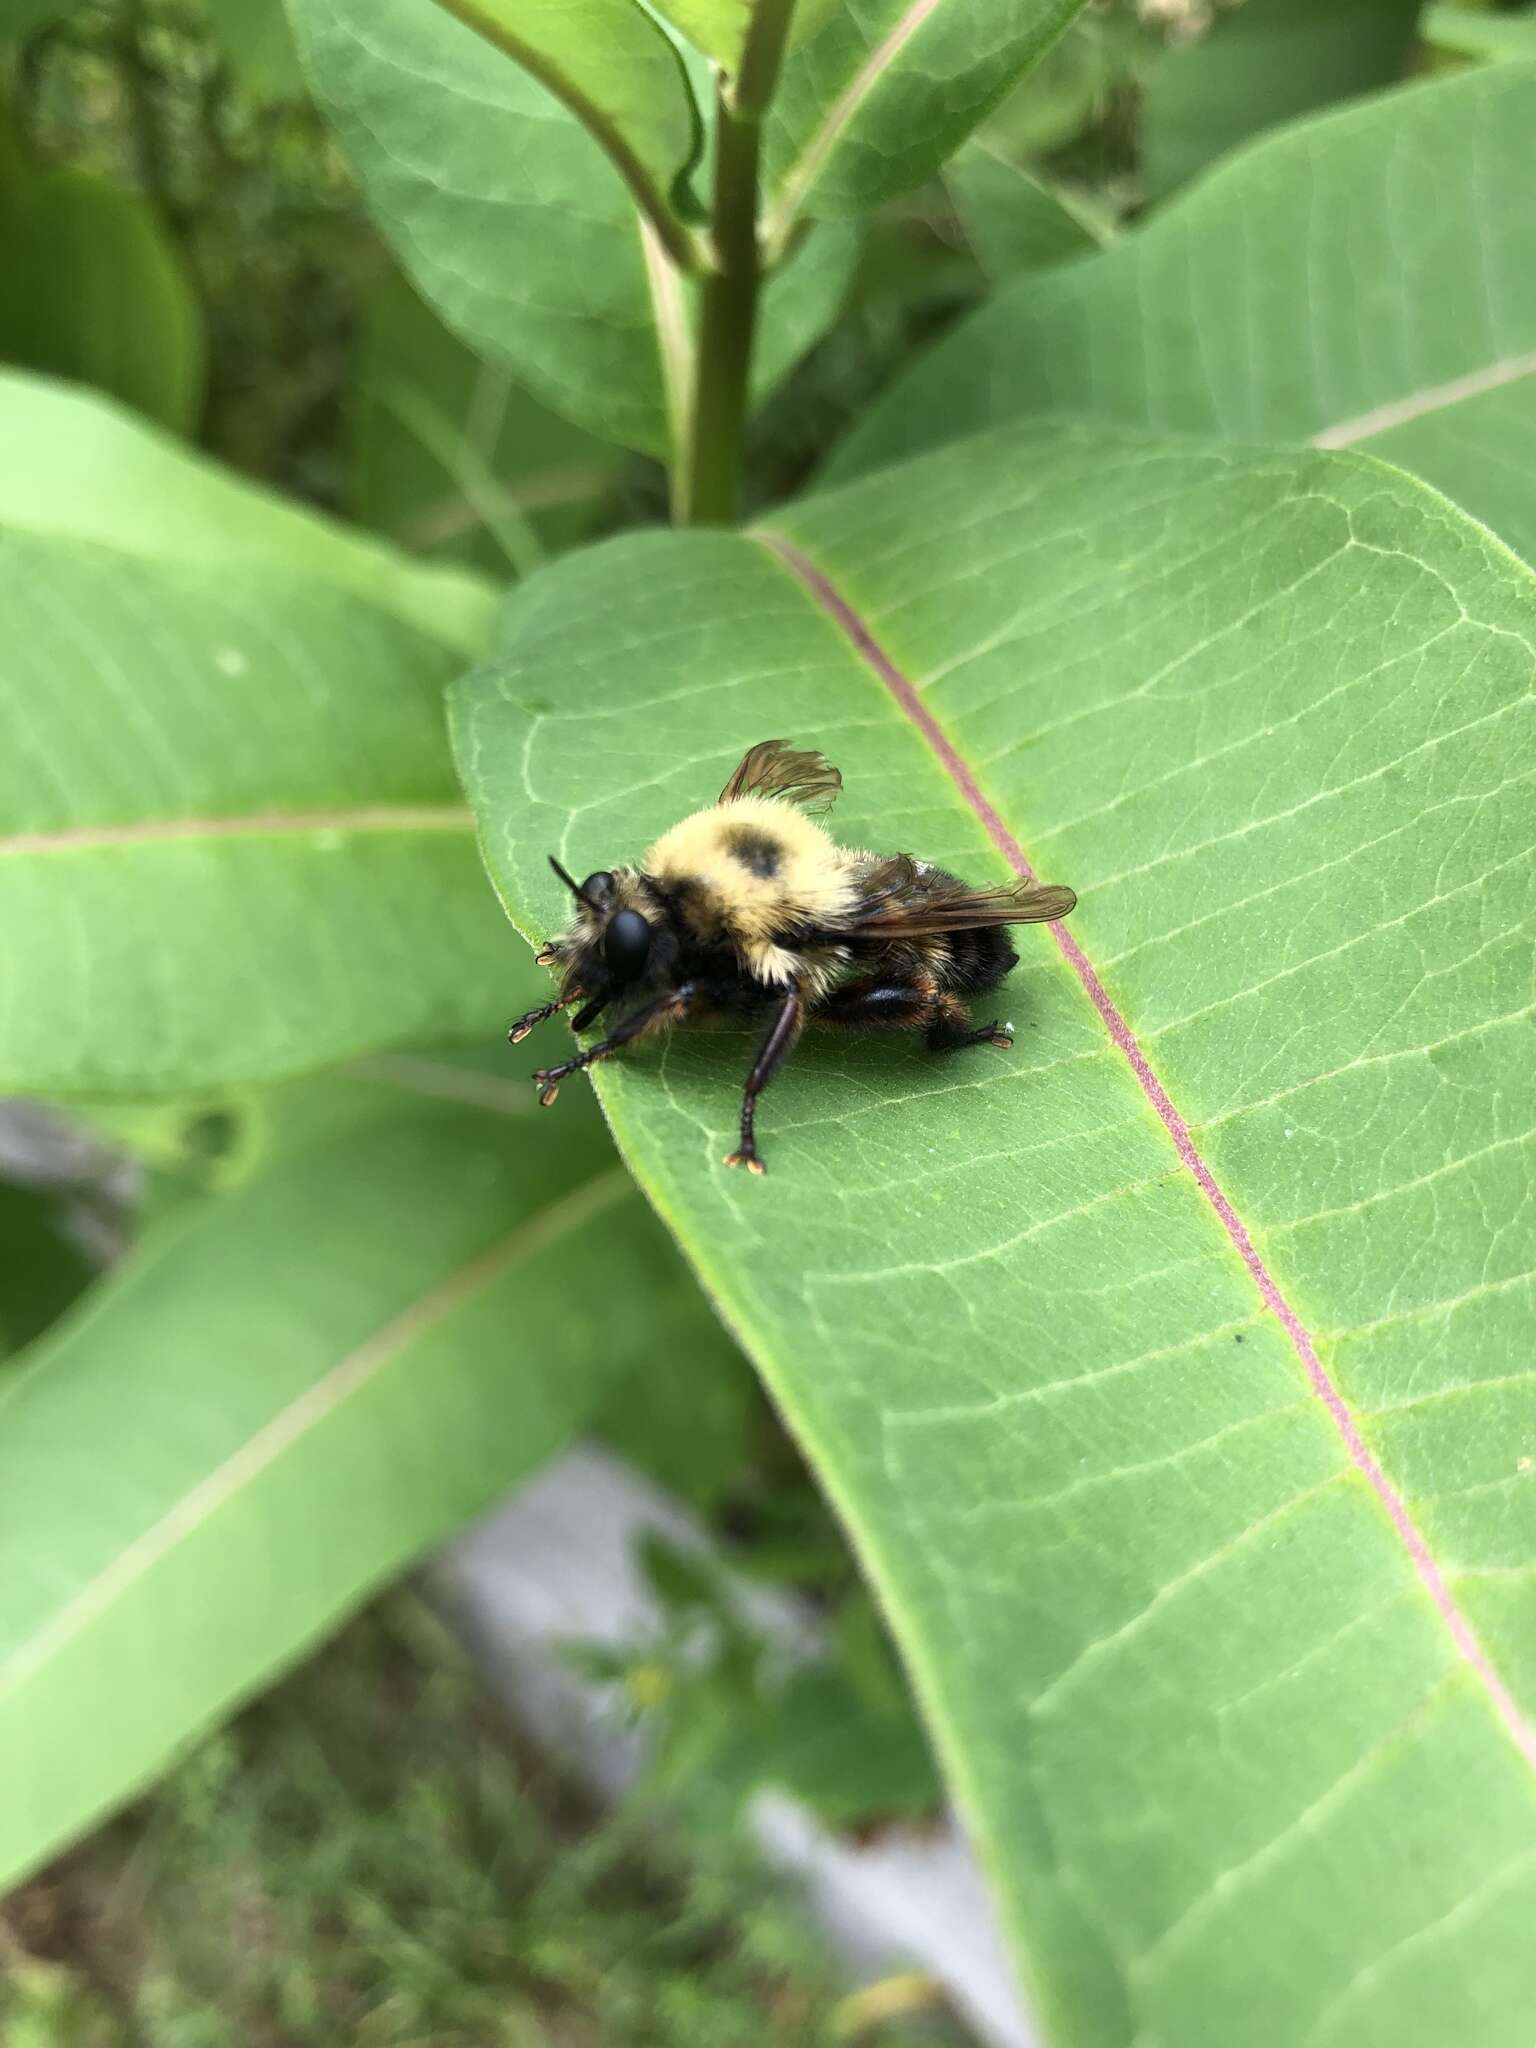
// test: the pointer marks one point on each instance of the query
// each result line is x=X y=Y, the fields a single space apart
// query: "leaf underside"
x=1202 y=1510
x=618 y=72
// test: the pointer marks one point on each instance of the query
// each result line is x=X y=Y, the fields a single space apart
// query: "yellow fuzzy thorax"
x=752 y=868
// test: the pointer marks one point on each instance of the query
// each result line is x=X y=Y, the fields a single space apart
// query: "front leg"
x=666 y=1009
x=520 y=1030
x=775 y=1049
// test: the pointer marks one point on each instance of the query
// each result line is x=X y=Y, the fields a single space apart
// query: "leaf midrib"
x=821 y=589
x=250 y=825
x=1428 y=399
x=801 y=175
x=318 y=1401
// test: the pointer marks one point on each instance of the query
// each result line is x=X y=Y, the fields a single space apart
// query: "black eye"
x=598 y=889
x=627 y=944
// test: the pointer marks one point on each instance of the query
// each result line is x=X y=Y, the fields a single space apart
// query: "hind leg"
x=951 y=1029
x=885 y=1004
x=913 y=1005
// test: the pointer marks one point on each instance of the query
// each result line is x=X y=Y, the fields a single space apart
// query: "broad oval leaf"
x=885 y=91
x=279 y=1400
x=1360 y=272
x=510 y=221
x=231 y=846
x=76 y=466
x=612 y=64
x=1171 y=1371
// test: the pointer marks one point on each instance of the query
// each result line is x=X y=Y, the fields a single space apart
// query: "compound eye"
x=598 y=889
x=627 y=945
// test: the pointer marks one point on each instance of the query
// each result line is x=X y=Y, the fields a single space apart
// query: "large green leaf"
x=619 y=73
x=230 y=841
x=1361 y=271
x=1264 y=62
x=275 y=1404
x=95 y=290
x=886 y=90
x=1172 y=1372
x=510 y=221
x=76 y=466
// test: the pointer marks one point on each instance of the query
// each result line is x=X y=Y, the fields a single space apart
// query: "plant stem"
x=728 y=321
x=726 y=327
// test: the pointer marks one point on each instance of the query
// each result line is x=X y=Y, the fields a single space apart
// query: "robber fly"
x=751 y=908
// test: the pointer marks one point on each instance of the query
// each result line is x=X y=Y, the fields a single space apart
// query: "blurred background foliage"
x=179 y=232
x=162 y=157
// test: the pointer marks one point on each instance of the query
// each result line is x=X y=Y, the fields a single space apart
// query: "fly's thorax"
x=749 y=871
x=811 y=969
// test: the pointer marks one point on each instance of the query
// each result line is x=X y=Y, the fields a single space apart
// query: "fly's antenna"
x=574 y=886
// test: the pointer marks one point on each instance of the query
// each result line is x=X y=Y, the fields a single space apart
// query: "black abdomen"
x=971 y=962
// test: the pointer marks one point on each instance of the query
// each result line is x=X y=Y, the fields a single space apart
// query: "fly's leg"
x=881 y=1005
x=915 y=1005
x=952 y=1030
x=520 y=1030
x=666 y=1009
x=771 y=1055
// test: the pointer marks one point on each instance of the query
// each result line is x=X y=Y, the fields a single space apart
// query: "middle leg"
x=772 y=1053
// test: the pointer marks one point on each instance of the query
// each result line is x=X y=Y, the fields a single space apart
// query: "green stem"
x=727 y=323
x=728 y=318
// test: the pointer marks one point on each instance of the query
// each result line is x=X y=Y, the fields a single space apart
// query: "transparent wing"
x=925 y=906
x=775 y=768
